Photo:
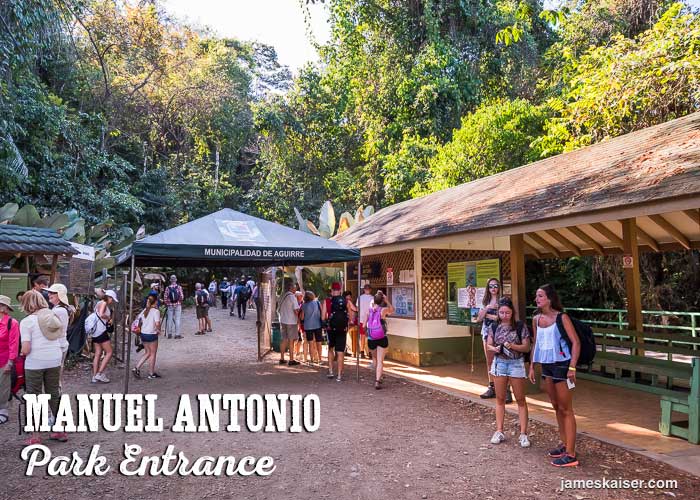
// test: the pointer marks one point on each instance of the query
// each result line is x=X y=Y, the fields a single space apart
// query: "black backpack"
x=519 y=325
x=173 y=295
x=244 y=294
x=338 y=319
x=202 y=298
x=585 y=337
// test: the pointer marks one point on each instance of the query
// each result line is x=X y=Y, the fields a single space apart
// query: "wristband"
x=572 y=368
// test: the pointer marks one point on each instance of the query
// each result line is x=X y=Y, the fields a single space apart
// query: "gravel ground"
x=406 y=441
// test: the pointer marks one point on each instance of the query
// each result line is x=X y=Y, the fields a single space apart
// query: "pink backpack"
x=375 y=330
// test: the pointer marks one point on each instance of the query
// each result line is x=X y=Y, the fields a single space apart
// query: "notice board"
x=466 y=286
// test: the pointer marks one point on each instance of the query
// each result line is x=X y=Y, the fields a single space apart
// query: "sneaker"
x=524 y=441
x=170 y=335
x=490 y=392
x=59 y=436
x=209 y=330
x=557 y=452
x=293 y=362
x=102 y=378
x=178 y=336
x=498 y=437
x=509 y=398
x=136 y=372
x=565 y=461
x=330 y=375
x=339 y=379
x=154 y=375
x=283 y=361
x=95 y=380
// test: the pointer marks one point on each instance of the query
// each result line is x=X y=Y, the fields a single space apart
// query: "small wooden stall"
x=24 y=250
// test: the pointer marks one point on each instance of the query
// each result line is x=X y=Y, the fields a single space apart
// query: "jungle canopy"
x=231 y=238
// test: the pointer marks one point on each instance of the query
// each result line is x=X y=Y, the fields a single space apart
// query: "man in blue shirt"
x=241 y=294
x=224 y=289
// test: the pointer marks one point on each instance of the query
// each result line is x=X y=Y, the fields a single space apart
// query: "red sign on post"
x=627 y=262
x=389 y=276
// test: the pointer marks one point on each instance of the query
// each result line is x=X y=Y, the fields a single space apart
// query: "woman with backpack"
x=40 y=332
x=149 y=325
x=508 y=341
x=310 y=315
x=9 y=352
x=558 y=361
x=377 y=341
x=201 y=299
x=100 y=337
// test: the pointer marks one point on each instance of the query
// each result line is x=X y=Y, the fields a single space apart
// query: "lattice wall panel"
x=434 y=264
x=433 y=298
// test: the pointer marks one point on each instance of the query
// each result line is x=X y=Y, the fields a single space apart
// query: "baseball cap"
x=113 y=294
x=335 y=286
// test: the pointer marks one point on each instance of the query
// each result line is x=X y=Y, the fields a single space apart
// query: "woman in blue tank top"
x=558 y=363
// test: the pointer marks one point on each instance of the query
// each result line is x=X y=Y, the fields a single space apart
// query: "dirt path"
x=403 y=442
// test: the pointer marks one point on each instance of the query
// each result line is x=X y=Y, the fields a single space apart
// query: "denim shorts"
x=502 y=367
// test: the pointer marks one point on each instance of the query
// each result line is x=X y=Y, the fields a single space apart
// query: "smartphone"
x=570 y=384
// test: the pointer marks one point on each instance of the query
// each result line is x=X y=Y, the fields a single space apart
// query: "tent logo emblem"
x=238 y=230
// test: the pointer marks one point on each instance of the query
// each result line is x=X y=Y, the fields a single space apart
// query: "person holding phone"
x=509 y=340
x=558 y=369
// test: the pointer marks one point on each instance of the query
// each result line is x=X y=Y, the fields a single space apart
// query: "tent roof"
x=231 y=238
x=33 y=240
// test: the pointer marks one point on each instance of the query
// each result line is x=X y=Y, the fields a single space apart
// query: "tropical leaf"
x=27 y=216
x=57 y=221
x=75 y=232
x=99 y=231
x=8 y=211
x=16 y=162
x=301 y=220
x=106 y=263
x=312 y=229
x=345 y=222
x=121 y=245
x=326 y=220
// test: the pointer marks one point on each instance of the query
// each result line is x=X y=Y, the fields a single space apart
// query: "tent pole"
x=357 y=337
x=128 y=343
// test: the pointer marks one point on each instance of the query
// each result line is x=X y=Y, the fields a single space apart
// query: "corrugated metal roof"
x=20 y=239
x=654 y=164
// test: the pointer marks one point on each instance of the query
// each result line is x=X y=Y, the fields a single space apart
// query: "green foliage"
x=496 y=137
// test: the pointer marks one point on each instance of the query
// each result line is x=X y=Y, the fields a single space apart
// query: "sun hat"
x=5 y=300
x=49 y=324
x=62 y=292
x=173 y=278
x=335 y=286
x=111 y=293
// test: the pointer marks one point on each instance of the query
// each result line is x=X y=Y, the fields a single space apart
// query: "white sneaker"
x=95 y=380
x=102 y=378
x=498 y=437
x=524 y=441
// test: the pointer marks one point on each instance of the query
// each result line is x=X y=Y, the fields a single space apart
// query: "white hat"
x=173 y=278
x=49 y=324
x=5 y=300
x=61 y=290
x=113 y=294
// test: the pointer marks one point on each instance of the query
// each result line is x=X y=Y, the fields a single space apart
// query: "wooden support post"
x=632 y=280
x=54 y=264
x=517 y=274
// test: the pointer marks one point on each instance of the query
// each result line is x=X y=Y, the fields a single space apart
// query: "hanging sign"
x=389 y=276
x=627 y=262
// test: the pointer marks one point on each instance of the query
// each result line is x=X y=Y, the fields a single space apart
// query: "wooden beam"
x=611 y=236
x=584 y=237
x=632 y=281
x=671 y=229
x=564 y=241
x=54 y=264
x=643 y=236
x=531 y=249
x=694 y=215
x=517 y=274
x=544 y=244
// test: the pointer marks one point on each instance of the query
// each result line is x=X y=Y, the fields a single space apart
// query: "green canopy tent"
x=229 y=238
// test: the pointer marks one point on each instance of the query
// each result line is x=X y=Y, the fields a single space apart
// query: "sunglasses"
x=493 y=285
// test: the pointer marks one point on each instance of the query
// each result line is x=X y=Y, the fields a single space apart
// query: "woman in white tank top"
x=558 y=369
